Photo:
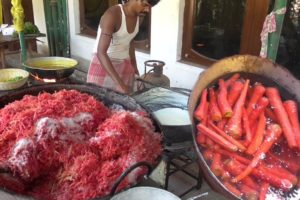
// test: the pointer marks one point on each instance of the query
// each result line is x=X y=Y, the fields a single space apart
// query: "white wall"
x=166 y=40
x=39 y=20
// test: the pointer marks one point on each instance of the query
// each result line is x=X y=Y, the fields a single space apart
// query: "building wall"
x=39 y=20
x=166 y=40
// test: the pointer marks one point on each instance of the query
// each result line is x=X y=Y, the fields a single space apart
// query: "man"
x=113 y=64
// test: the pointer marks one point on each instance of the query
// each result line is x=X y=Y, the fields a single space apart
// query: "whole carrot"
x=216 y=165
x=226 y=136
x=249 y=193
x=234 y=156
x=273 y=133
x=234 y=92
x=206 y=116
x=281 y=115
x=246 y=126
x=265 y=175
x=223 y=104
x=216 y=137
x=275 y=181
x=287 y=163
x=282 y=173
x=279 y=172
x=292 y=110
x=201 y=138
x=200 y=110
x=270 y=114
x=209 y=142
x=233 y=189
x=225 y=176
x=234 y=125
x=259 y=135
x=214 y=110
x=258 y=92
x=234 y=170
x=208 y=154
x=260 y=107
x=264 y=190
x=221 y=124
x=232 y=79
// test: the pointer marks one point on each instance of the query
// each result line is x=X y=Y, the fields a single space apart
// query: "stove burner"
x=43 y=79
x=33 y=80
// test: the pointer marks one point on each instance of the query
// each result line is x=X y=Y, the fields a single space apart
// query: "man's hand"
x=124 y=88
x=137 y=73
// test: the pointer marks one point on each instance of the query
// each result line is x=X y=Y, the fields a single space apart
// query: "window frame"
x=255 y=13
x=84 y=29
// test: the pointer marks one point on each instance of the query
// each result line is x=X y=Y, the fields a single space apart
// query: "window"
x=91 y=12
x=289 y=43
x=215 y=29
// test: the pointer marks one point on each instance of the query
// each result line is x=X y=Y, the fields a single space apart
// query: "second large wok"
x=257 y=70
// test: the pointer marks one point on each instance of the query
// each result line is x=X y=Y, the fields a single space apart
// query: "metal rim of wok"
x=108 y=97
x=48 y=72
x=252 y=67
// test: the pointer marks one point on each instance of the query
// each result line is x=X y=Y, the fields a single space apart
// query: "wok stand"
x=177 y=138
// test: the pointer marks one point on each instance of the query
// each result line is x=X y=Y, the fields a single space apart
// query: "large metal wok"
x=50 y=67
x=254 y=68
x=108 y=97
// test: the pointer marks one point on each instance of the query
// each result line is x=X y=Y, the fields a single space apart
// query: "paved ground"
x=180 y=182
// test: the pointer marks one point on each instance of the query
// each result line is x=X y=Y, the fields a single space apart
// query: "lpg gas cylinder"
x=155 y=76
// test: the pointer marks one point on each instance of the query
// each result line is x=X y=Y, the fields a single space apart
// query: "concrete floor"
x=180 y=182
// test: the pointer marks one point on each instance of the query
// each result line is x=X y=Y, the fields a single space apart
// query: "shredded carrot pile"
x=68 y=145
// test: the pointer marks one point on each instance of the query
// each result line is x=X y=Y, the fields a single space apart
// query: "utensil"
x=50 y=67
x=256 y=69
x=12 y=78
x=145 y=193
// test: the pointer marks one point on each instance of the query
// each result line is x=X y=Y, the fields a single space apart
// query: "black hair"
x=151 y=2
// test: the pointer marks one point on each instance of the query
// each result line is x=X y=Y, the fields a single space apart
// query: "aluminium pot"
x=108 y=97
x=145 y=193
x=254 y=68
x=50 y=67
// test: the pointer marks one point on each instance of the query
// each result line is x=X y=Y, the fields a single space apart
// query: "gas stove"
x=33 y=81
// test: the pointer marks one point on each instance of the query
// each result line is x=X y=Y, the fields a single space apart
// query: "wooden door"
x=57 y=24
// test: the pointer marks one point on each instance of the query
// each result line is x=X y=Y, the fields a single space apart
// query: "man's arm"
x=107 y=25
x=132 y=58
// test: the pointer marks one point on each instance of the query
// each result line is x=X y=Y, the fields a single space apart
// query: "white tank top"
x=120 y=42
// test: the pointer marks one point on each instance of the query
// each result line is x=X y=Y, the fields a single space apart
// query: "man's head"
x=141 y=7
x=150 y=3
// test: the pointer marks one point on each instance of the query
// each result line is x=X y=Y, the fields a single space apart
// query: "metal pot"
x=254 y=68
x=108 y=97
x=50 y=67
x=145 y=193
